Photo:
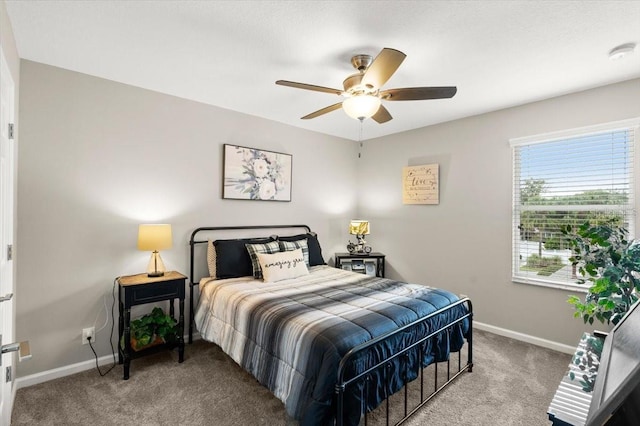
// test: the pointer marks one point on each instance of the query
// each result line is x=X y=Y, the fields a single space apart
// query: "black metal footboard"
x=346 y=379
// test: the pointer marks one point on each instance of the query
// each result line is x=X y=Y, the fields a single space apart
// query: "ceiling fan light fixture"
x=361 y=106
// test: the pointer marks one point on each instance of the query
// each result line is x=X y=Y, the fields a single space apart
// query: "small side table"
x=139 y=290
x=369 y=264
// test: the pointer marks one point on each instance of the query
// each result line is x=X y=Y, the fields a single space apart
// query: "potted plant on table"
x=606 y=258
x=153 y=329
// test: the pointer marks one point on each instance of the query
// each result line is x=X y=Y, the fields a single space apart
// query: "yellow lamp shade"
x=359 y=227
x=154 y=237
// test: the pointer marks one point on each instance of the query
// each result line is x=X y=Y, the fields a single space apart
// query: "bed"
x=331 y=344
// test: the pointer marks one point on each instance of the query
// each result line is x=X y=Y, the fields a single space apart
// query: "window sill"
x=576 y=288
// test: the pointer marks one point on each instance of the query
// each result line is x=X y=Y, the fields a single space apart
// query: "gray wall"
x=464 y=243
x=98 y=158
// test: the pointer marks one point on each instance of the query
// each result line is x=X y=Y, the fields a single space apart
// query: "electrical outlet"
x=88 y=332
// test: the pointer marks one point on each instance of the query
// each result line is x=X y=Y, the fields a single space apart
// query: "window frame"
x=632 y=124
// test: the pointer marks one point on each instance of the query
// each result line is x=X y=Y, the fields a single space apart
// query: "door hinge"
x=10 y=130
x=7 y=375
x=9 y=252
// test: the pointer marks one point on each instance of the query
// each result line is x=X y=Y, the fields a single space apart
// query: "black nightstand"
x=369 y=264
x=139 y=290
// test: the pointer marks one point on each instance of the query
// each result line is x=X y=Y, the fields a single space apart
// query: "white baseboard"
x=56 y=373
x=549 y=344
x=67 y=370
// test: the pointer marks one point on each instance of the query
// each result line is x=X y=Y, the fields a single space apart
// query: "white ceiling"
x=230 y=53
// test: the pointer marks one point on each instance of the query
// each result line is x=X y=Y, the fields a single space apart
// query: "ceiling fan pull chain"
x=360 y=138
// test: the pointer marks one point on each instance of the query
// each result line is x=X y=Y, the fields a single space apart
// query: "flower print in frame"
x=255 y=174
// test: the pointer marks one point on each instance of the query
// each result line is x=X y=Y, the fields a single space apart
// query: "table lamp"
x=154 y=237
x=359 y=228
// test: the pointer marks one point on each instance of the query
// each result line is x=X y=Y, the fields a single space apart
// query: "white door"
x=6 y=239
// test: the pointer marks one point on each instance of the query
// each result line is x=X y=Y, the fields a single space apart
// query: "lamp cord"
x=113 y=320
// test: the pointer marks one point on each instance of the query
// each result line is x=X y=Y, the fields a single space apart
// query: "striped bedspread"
x=291 y=334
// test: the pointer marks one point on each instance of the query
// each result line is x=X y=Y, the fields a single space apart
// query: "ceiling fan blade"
x=382 y=115
x=418 y=93
x=309 y=87
x=383 y=67
x=323 y=111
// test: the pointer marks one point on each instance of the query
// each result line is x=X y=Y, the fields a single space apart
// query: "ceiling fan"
x=362 y=90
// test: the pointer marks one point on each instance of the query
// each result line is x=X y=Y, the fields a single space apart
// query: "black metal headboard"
x=193 y=242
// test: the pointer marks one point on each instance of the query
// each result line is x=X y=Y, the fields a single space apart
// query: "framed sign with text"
x=420 y=184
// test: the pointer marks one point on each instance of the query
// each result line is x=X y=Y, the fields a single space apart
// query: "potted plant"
x=607 y=259
x=152 y=329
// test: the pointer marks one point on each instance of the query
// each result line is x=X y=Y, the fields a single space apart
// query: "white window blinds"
x=565 y=178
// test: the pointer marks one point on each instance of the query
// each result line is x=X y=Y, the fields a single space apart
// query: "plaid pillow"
x=293 y=245
x=253 y=249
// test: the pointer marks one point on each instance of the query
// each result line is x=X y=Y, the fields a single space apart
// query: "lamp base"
x=155 y=268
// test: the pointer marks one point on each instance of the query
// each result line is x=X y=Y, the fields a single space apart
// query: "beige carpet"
x=512 y=383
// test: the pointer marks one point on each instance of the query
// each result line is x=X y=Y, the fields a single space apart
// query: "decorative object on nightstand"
x=154 y=237
x=153 y=329
x=359 y=228
x=371 y=264
x=139 y=290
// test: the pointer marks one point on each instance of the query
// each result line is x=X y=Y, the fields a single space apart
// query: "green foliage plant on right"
x=610 y=262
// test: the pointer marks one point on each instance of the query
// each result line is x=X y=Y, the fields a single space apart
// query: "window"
x=569 y=177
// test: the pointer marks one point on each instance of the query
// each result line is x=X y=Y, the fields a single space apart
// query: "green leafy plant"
x=606 y=258
x=150 y=327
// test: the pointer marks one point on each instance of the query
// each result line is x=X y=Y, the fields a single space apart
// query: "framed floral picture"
x=255 y=174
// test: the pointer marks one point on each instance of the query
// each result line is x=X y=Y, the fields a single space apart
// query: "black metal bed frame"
x=343 y=378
